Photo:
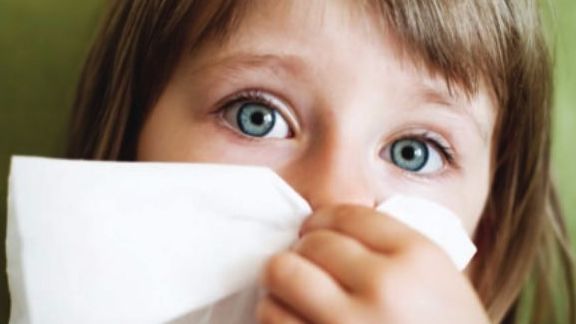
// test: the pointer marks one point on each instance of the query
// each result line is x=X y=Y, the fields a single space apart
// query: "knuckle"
x=389 y=283
x=344 y=217
x=381 y=284
x=268 y=312
x=343 y=317
x=263 y=313
x=382 y=296
x=322 y=244
x=391 y=298
x=278 y=270
x=313 y=245
x=421 y=251
x=314 y=240
x=344 y=211
x=387 y=291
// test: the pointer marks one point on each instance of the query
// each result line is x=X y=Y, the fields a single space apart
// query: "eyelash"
x=256 y=96
x=446 y=151
x=252 y=95
x=262 y=97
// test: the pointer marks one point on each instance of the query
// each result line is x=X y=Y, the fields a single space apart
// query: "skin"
x=344 y=108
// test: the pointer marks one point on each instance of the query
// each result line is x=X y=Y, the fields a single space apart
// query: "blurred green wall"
x=564 y=146
x=42 y=45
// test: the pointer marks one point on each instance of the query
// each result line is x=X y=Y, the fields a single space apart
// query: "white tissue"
x=109 y=242
x=435 y=222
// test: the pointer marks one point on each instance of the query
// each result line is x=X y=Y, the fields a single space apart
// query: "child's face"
x=316 y=91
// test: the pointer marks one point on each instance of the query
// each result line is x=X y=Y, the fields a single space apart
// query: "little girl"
x=352 y=102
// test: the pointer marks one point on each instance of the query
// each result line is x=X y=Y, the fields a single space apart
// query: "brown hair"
x=500 y=43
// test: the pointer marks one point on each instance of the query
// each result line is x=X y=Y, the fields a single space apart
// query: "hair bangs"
x=465 y=42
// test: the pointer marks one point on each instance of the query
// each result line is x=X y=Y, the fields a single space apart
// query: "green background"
x=42 y=45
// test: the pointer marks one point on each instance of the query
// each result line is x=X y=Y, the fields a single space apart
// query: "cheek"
x=465 y=194
x=467 y=202
x=172 y=135
x=173 y=132
x=469 y=206
x=469 y=199
x=161 y=136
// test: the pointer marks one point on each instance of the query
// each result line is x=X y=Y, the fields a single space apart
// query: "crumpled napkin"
x=117 y=242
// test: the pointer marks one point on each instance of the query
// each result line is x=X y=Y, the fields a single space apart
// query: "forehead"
x=458 y=43
x=301 y=38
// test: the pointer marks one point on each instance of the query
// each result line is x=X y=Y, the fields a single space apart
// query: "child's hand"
x=354 y=265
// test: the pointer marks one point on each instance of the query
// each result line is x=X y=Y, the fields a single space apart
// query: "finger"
x=377 y=231
x=303 y=287
x=344 y=258
x=270 y=311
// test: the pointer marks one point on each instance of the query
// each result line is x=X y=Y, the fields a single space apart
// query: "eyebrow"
x=436 y=91
x=449 y=99
x=274 y=63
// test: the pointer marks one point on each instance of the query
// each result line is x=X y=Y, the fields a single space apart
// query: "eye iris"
x=409 y=154
x=256 y=120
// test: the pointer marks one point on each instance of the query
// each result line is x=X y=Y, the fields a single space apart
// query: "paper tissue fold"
x=117 y=242
x=434 y=221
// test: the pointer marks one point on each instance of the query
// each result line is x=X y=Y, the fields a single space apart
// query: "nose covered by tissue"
x=109 y=242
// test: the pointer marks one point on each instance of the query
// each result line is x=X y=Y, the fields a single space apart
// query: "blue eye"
x=416 y=156
x=255 y=119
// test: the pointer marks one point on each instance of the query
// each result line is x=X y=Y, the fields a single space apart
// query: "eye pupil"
x=408 y=153
x=257 y=118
